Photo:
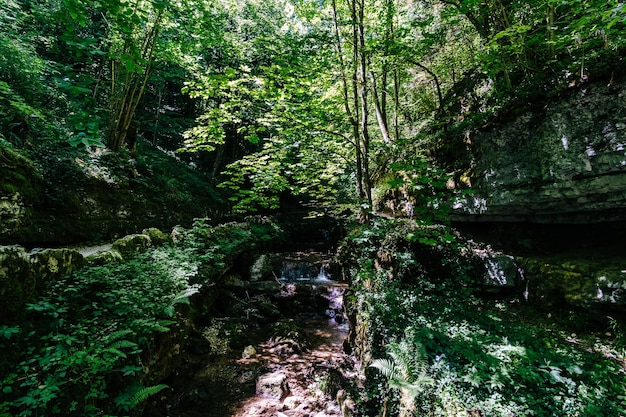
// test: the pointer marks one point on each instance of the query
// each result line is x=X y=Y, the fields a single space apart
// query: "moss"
x=51 y=264
x=156 y=236
x=132 y=243
x=104 y=257
x=17 y=284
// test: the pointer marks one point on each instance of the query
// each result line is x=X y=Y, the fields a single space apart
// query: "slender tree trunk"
x=127 y=86
x=362 y=93
x=396 y=104
x=378 y=107
x=351 y=112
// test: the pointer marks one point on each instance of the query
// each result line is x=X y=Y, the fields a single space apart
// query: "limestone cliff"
x=562 y=163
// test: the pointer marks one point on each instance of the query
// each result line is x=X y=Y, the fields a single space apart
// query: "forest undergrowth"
x=437 y=347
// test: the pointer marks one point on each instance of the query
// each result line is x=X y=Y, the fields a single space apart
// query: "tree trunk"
x=127 y=85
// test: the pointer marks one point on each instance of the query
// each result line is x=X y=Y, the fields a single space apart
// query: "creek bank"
x=25 y=275
x=137 y=291
x=274 y=346
x=448 y=344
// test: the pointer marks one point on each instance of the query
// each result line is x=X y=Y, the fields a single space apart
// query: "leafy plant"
x=406 y=372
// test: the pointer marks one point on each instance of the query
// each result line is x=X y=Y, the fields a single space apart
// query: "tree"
x=115 y=40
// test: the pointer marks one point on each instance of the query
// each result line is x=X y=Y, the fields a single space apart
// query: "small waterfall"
x=301 y=267
x=323 y=275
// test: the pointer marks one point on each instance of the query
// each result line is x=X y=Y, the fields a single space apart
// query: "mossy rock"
x=20 y=190
x=156 y=236
x=17 y=282
x=51 y=264
x=104 y=257
x=132 y=243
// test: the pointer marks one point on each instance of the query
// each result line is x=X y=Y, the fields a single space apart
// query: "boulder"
x=104 y=257
x=132 y=243
x=261 y=269
x=17 y=281
x=501 y=271
x=156 y=236
x=51 y=264
x=272 y=386
x=248 y=352
x=577 y=282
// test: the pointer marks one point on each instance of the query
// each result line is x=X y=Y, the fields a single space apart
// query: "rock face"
x=579 y=282
x=565 y=163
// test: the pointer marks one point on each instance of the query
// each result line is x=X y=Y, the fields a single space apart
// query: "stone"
x=50 y=264
x=562 y=163
x=156 y=236
x=261 y=269
x=291 y=403
x=132 y=243
x=17 y=281
x=248 y=352
x=104 y=257
x=501 y=270
x=579 y=283
x=272 y=386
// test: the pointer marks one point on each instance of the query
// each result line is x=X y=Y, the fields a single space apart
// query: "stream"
x=285 y=357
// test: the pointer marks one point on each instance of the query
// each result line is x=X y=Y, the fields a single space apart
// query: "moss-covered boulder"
x=50 y=264
x=577 y=282
x=17 y=282
x=132 y=243
x=104 y=257
x=157 y=237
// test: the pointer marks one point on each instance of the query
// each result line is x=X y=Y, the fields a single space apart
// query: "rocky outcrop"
x=564 y=163
x=598 y=284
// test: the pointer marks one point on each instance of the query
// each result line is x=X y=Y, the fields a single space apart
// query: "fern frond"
x=116 y=352
x=386 y=367
x=118 y=334
x=183 y=296
x=123 y=344
x=143 y=394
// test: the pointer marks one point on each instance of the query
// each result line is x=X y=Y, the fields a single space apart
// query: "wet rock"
x=291 y=403
x=272 y=386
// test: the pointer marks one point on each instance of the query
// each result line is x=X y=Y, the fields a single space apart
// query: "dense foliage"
x=280 y=99
x=95 y=344
x=294 y=101
x=442 y=351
